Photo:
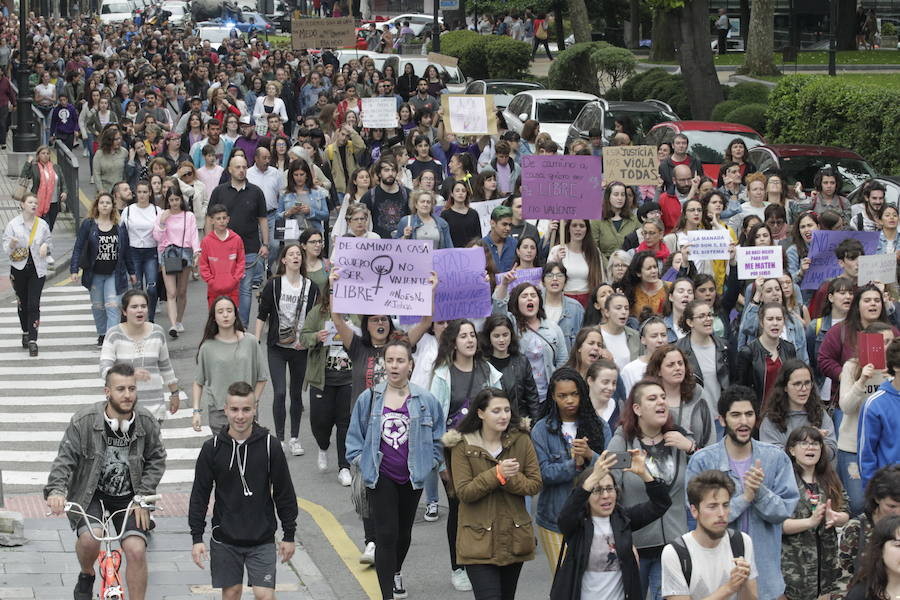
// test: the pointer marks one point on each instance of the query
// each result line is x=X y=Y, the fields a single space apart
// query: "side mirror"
x=523 y=117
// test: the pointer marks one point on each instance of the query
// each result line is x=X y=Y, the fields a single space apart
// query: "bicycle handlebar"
x=137 y=501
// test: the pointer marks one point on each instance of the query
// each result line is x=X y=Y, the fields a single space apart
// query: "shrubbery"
x=720 y=112
x=572 y=69
x=657 y=84
x=483 y=56
x=751 y=115
x=750 y=93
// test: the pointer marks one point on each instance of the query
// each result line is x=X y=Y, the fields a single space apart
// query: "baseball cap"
x=245 y=120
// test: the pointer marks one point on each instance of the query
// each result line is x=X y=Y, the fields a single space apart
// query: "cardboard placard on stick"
x=877 y=267
x=442 y=59
x=631 y=165
x=337 y=32
x=759 y=261
x=561 y=187
x=469 y=114
x=379 y=113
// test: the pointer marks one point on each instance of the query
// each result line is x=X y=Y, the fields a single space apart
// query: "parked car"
x=180 y=12
x=555 y=110
x=707 y=140
x=116 y=11
x=215 y=32
x=891 y=194
x=801 y=162
x=345 y=55
x=417 y=22
x=456 y=81
x=603 y=114
x=503 y=90
x=251 y=22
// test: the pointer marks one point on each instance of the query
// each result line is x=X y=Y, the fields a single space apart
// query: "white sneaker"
x=460 y=580
x=368 y=555
x=179 y=327
x=344 y=477
x=296 y=448
x=431 y=512
x=50 y=260
x=322 y=461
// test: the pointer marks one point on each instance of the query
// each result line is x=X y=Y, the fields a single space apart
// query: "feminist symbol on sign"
x=381 y=265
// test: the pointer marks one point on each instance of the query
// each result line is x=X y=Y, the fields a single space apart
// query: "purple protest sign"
x=534 y=276
x=562 y=187
x=382 y=277
x=462 y=292
x=823 y=263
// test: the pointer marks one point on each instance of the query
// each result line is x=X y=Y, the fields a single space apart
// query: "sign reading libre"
x=561 y=187
x=383 y=277
x=337 y=32
x=631 y=165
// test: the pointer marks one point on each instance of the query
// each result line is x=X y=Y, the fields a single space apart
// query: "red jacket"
x=671 y=210
x=222 y=262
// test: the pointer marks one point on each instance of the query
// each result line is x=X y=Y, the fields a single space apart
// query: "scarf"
x=46 y=188
x=661 y=254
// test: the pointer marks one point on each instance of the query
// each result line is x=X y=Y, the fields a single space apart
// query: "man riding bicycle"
x=110 y=452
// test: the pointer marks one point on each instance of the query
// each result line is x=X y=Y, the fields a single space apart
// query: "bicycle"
x=110 y=560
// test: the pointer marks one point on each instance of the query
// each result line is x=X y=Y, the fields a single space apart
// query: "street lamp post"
x=25 y=138
x=832 y=38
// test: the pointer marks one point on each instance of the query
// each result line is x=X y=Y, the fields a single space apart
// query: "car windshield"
x=558 y=110
x=215 y=35
x=116 y=8
x=709 y=146
x=510 y=88
x=641 y=121
x=853 y=171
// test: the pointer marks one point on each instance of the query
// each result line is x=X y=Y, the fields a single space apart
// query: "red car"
x=801 y=162
x=707 y=140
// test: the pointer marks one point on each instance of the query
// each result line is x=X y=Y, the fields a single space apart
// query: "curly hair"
x=688 y=384
x=825 y=474
x=588 y=423
x=777 y=407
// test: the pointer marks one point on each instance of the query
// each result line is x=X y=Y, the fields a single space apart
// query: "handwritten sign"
x=382 y=277
x=631 y=165
x=877 y=267
x=823 y=263
x=759 y=261
x=442 y=59
x=534 y=276
x=338 y=32
x=379 y=113
x=709 y=245
x=484 y=210
x=462 y=292
x=469 y=114
x=561 y=187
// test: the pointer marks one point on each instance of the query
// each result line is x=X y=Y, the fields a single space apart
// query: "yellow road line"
x=65 y=281
x=343 y=545
x=85 y=201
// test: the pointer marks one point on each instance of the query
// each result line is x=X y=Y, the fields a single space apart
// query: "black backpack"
x=684 y=555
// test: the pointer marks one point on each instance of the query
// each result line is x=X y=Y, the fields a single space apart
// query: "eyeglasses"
x=808 y=444
x=378 y=320
x=703 y=317
x=601 y=491
x=555 y=276
x=693 y=209
x=316 y=242
x=799 y=385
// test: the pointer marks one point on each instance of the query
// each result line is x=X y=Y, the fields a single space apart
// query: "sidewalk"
x=46 y=567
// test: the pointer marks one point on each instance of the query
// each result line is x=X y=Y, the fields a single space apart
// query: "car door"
x=764 y=159
x=512 y=112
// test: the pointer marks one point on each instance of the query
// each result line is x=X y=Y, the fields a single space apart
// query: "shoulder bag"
x=359 y=493
x=288 y=335
x=21 y=253
x=173 y=256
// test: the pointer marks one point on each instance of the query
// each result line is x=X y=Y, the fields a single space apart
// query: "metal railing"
x=68 y=164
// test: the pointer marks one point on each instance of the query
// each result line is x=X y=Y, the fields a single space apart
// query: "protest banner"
x=382 y=277
x=631 y=165
x=709 y=245
x=534 y=276
x=759 y=261
x=462 y=292
x=561 y=187
x=442 y=59
x=484 y=210
x=823 y=263
x=877 y=267
x=338 y=32
x=469 y=114
x=379 y=113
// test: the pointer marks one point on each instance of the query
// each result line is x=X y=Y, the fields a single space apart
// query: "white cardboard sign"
x=759 y=261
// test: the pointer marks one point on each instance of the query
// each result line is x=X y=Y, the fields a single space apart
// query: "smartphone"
x=623 y=460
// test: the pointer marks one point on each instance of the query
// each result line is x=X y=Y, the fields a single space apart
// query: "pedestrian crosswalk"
x=39 y=395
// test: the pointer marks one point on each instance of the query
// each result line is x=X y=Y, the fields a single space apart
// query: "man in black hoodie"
x=252 y=480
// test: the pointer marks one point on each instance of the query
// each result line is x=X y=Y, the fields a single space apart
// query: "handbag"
x=21 y=189
x=173 y=256
x=288 y=335
x=359 y=493
x=541 y=32
x=21 y=253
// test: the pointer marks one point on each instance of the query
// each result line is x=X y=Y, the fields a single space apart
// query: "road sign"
x=449 y=5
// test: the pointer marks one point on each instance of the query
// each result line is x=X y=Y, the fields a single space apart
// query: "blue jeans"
x=104 y=302
x=431 y=487
x=651 y=576
x=145 y=265
x=852 y=483
x=253 y=270
x=274 y=245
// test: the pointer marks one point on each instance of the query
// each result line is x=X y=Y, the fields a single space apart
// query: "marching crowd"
x=662 y=426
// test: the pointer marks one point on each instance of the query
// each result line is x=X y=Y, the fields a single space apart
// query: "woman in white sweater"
x=270 y=103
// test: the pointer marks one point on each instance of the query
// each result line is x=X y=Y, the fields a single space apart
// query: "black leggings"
x=28 y=287
x=452 y=524
x=280 y=360
x=394 y=510
x=330 y=408
x=545 y=42
x=490 y=582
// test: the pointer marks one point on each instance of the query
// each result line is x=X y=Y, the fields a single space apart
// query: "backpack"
x=684 y=556
x=541 y=32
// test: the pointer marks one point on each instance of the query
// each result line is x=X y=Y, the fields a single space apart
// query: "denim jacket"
x=416 y=222
x=775 y=501
x=794 y=326
x=318 y=206
x=426 y=426
x=557 y=471
x=571 y=319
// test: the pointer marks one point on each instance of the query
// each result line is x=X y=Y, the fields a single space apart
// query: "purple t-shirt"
x=395 y=443
x=740 y=467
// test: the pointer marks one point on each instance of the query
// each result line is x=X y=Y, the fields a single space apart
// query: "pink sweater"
x=173 y=231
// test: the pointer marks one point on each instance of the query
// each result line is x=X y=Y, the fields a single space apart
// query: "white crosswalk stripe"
x=40 y=394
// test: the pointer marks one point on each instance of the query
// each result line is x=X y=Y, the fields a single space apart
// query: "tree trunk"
x=663 y=47
x=634 y=18
x=760 y=58
x=846 y=24
x=581 y=22
x=745 y=19
x=560 y=30
x=691 y=24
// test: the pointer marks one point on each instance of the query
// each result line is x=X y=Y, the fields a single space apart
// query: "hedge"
x=819 y=110
x=751 y=115
x=484 y=56
x=750 y=93
x=721 y=110
x=573 y=69
x=628 y=88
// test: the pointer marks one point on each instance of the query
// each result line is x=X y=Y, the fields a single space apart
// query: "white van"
x=116 y=11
